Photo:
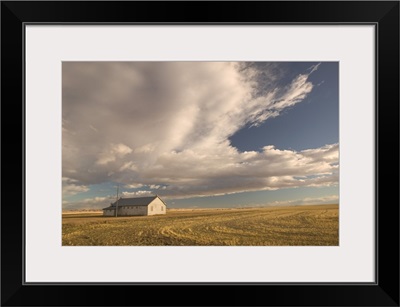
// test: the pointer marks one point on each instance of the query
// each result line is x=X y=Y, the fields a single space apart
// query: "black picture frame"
x=383 y=14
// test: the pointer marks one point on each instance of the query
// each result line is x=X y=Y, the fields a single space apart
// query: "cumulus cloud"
x=71 y=187
x=187 y=174
x=112 y=153
x=166 y=125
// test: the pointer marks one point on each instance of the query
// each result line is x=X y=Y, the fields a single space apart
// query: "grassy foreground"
x=303 y=225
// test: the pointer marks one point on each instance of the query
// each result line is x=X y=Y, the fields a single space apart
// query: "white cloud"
x=329 y=199
x=167 y=126
x=313 y=68
x=71 y=187
x=154 y=186
x=112 y=153
x=133 y=186
x=89 y=203
x=188 y=174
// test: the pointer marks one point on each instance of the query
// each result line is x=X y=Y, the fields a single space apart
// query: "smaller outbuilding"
x=136 y=206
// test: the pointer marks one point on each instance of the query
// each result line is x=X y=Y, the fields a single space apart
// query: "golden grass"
x=303 y=225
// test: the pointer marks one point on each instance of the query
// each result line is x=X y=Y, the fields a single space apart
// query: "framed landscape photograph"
x=221 y=154
x=242 y=150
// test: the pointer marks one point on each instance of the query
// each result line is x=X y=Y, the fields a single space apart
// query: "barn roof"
x=137 y=201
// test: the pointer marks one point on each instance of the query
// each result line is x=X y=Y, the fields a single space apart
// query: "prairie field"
x=316 y=225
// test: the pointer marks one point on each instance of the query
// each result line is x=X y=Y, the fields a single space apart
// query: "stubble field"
x=301 y=226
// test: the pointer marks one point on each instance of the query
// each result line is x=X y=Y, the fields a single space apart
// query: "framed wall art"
x=248 y=146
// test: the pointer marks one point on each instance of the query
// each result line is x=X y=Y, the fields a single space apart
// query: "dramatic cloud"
x=113 y=152
x=166 y=126
x=70 y=187
x=222 y=171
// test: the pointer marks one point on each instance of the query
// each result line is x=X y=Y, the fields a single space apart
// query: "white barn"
x=136 y=206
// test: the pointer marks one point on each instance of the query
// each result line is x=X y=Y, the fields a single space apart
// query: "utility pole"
x=116 y=204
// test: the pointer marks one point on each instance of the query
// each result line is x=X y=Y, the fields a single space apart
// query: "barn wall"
x=108 y=212
x=132 y=210
x=156 y=207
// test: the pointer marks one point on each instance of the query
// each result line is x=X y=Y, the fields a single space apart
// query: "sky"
x=200 y=134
